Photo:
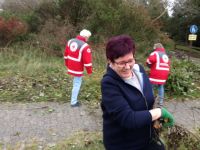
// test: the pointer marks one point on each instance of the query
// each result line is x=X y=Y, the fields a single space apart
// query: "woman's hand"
x=168 y=119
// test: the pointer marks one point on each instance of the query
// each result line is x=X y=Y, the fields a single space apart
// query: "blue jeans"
x=161 y=92
x=75 y=90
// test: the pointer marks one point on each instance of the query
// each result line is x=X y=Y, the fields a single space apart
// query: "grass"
x=28 y=74
x=186 y=47
x=82 y=141
x=79 y=141
x=176 y=138
x=192 y=51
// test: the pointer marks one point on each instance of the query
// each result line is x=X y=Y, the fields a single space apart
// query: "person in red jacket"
x=159 y=64
x=78 y=56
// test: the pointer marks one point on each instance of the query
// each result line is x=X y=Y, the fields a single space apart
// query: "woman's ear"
x=108 y=60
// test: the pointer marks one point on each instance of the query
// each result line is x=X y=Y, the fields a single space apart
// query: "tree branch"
x=159 y=16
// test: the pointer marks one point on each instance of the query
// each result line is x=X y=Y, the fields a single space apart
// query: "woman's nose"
x=127 y=66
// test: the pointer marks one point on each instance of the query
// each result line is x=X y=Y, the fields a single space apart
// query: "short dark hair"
x=119 y=46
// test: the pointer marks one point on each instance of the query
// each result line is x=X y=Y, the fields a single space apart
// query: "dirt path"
x=45 y=123
x=186 y=114
x=48 y=123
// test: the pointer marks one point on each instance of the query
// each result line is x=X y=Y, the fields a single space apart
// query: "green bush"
x=7 y=15
x=183 y=77
x=107 y=18
x=33 y=21
x=116 y=17
x=104 y=18
x=47 y=10
x=76 y=11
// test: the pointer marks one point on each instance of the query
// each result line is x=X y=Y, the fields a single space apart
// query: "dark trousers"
x=155 y=145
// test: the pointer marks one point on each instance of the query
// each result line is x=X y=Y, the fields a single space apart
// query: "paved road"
x=43 y=122
x=48 y=123
x=186 y=114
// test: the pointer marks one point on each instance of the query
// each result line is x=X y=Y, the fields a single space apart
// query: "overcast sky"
x=1 y=1
x=170 y=5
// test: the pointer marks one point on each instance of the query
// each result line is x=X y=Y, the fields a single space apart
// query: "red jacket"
x=160 y=66
x=78 y=55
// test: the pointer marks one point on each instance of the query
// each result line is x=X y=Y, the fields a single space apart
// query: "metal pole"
x=190 y=44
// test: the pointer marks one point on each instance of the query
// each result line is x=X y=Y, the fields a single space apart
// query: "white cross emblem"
x=165 y=58
x=73 y=46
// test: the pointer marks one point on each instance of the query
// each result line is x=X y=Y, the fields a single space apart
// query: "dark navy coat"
x=127 y=122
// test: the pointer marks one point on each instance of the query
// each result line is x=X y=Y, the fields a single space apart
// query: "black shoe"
x=76 y=104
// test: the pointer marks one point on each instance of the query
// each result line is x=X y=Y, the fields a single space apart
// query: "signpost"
x=192 y=36
x=193 y=29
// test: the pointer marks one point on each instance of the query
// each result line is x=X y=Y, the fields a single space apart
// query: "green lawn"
x=192 y=51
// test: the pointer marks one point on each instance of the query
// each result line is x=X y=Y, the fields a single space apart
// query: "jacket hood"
x=81 y=38
x=160 y=49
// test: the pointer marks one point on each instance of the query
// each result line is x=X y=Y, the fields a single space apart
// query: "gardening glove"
x=168 y=119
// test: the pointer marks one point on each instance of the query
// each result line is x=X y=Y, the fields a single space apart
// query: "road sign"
x=192 y=37
x=193 y=29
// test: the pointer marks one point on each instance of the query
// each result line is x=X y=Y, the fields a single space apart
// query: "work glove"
x=168 y=119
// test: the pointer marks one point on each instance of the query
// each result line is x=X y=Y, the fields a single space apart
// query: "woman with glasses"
x=127 y=101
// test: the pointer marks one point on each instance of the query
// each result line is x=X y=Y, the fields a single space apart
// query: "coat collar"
x=81 y=38
x=160 y=49
x=112 y=73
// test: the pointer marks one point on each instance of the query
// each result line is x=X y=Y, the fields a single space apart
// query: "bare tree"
x=21 y=5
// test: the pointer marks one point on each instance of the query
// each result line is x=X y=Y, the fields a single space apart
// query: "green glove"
x=168 y=119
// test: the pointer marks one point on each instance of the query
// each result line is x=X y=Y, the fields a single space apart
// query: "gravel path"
x=186 y=114
x=43 y=122
x=48 y=123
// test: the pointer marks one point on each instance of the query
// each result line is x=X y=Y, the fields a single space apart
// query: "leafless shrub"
x=20 y=5
x=11 y=29
x=53 y=36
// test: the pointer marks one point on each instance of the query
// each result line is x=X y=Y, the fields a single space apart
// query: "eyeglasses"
x=123 y=63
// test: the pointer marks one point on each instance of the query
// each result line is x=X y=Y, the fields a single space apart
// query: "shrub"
x=115 y=17
x=19 y=6
x=76 y=11
x=182 y=78
x=47 y=9
x=11 y=29
x=33 y=20
x=181 y=139
x=52 y=37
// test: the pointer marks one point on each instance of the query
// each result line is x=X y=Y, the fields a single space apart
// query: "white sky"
x=170 y=5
